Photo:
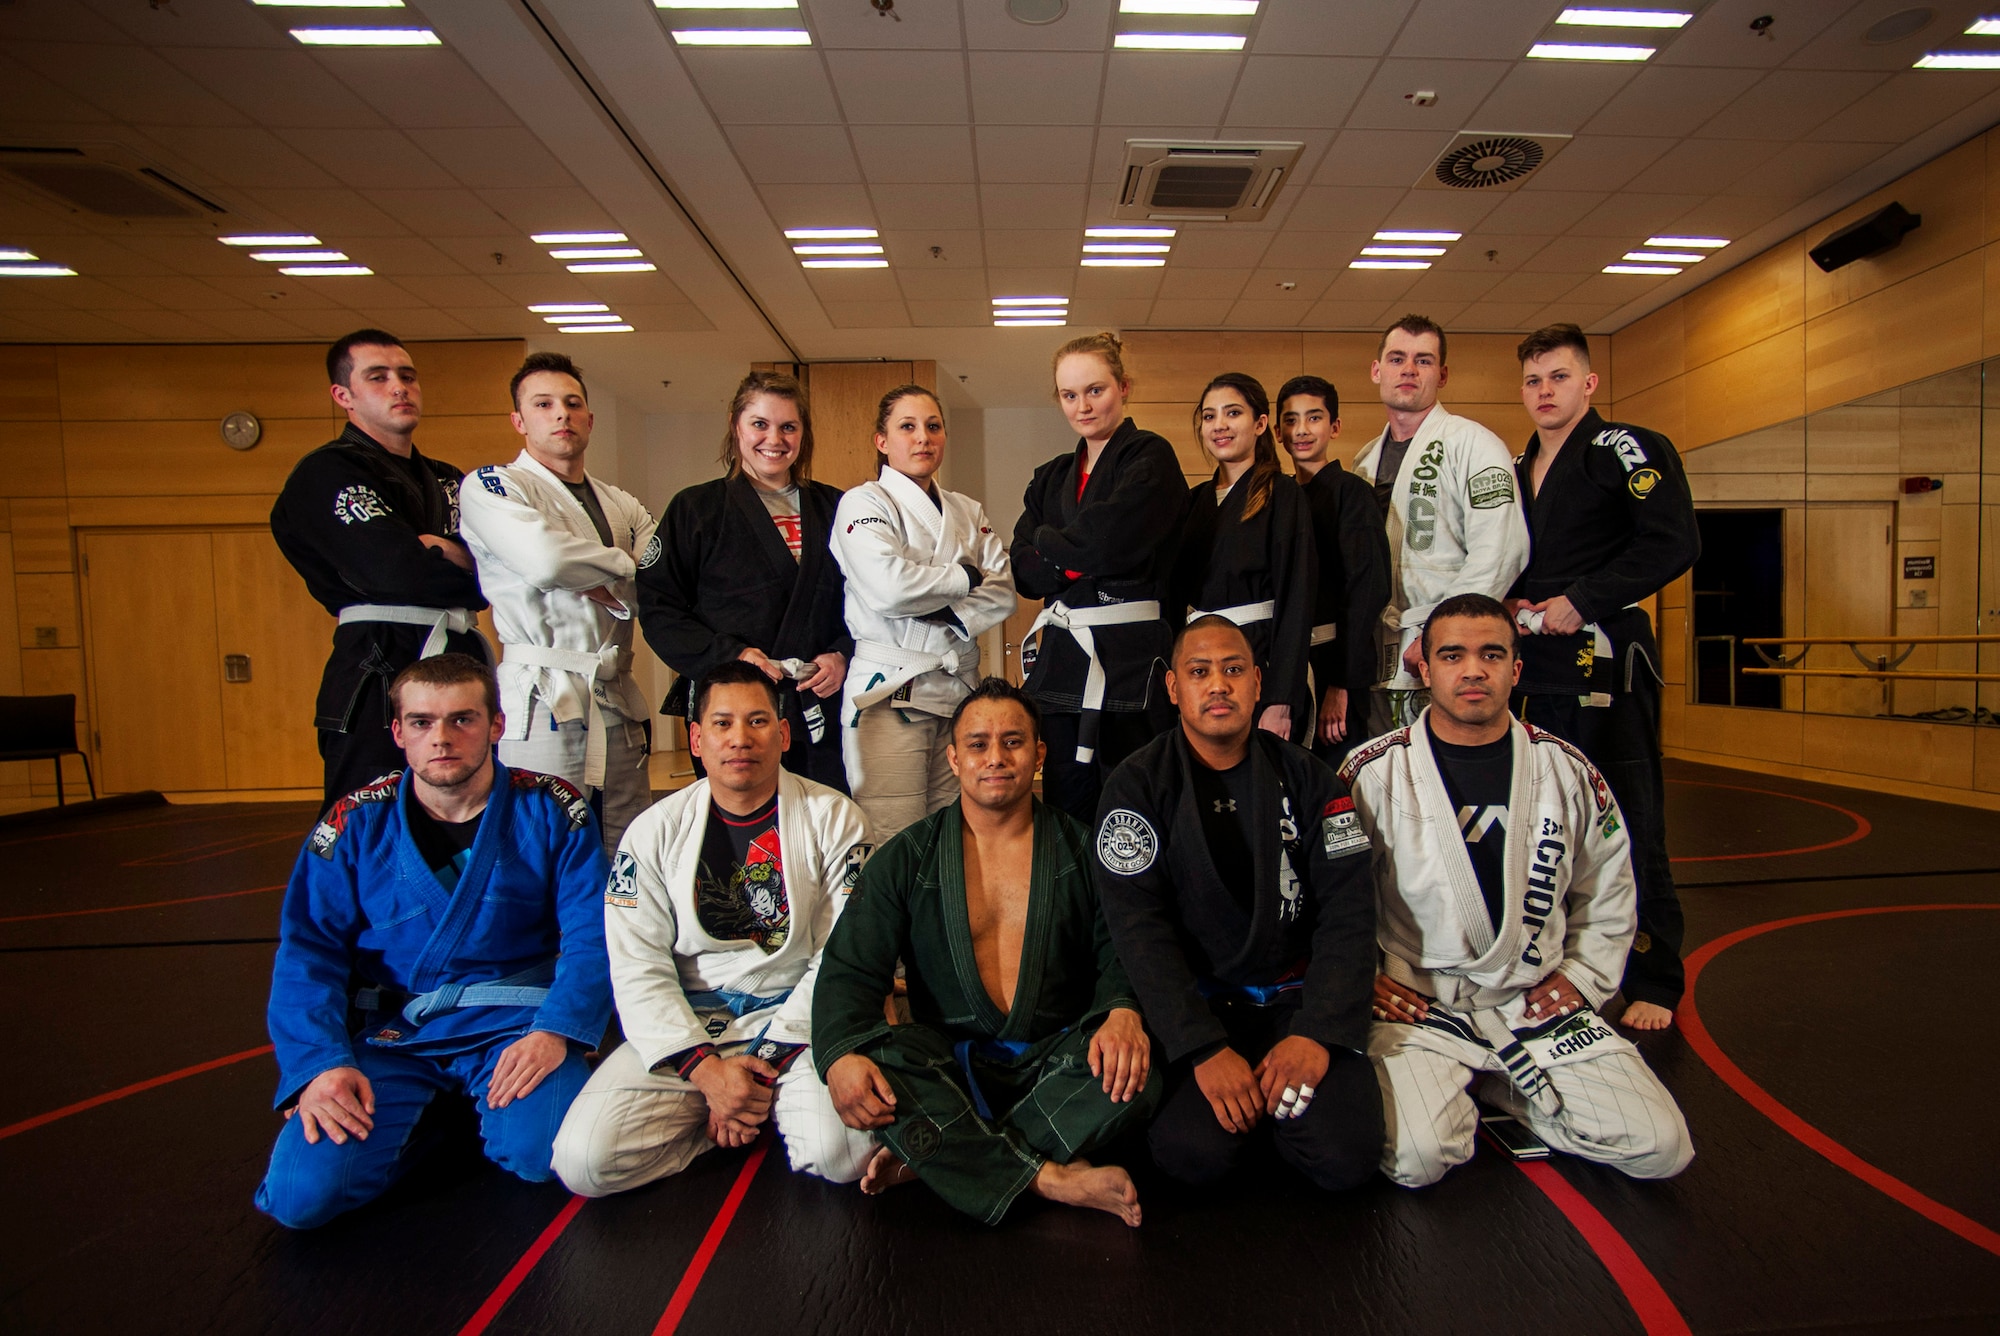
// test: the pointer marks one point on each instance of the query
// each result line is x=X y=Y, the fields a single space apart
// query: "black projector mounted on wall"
x=1881 y=230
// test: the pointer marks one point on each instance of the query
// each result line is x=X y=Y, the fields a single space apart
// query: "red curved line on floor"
x=150 y=904
x=200 y=853
x=517 y=1273
x=1861 y=829
x=42 y=1119
x=1655 y=1311
x=697 y=1268
x=1760 y=1099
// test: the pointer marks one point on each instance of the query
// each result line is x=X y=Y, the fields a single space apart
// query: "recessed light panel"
x=1576 y=51
x=1388 y=264
x=1125 y=248
x=1406 y=251
x=1692 y=243
x=1418 y=236
x=299 y=256
x=1655 y=270
x=830 y=233
x=725 y=4
x=836 y=249
x=595 y=329
x=843 y=264
x=1665 y=257
x=1031 y=301
x=330 y=4
x=272 y=239
x=613 y=267
x=570 y=308
x=1219 y=8
x=1984 y=28
x=16 y=255
x=742 y=37
x=1624 y=18
x=36 y=271
x=327 y=270
x=1960 y=60
x=1177 y=41
x=366 y=36
x=581 y=319
x=598 y=253
x=1122 y=262
x=578 y=238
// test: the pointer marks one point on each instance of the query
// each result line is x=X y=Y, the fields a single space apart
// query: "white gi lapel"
x=574 y=518
x=919 y=515
x=1468 y=902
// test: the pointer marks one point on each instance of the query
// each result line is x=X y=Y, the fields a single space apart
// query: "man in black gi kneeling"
x=1234 y=875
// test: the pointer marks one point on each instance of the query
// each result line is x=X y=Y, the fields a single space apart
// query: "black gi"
x=1613 y=524
x=1226 y=561
x=1208 y=974
x=1119 y=539
x=348 y=520
x=1353 y=546
x=721 y=580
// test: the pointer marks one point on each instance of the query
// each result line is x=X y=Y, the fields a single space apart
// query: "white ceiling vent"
x=1485 y=160
x=105 y=179
x=1202 y=182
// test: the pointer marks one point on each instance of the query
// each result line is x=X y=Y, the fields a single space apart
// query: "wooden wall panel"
x=10 y=649
x=154 y=382
x=1950 y=193
x=844 y=399
x=464 y=378
x=41 y=535
x=1747 y=305
x=28 y=384
x=183 y=458
x=1757 y=386
x=1651 y=351
x=262 y=611
x=47 y=611
x=98 y=512
x=468 y=441
x=1173 y=366
x=31 y=458
x=1897 y=335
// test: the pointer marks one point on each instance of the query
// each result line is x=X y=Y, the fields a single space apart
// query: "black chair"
x=42 y=728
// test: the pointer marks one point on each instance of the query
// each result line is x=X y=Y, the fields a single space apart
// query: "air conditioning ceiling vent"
x=107 y=180
x=1216 y=182
x=1478 y=160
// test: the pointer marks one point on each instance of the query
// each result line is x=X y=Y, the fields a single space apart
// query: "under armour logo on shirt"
x=1474 y=822
x=1225 y=805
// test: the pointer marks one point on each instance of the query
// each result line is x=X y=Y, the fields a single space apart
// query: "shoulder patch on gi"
x=651 y=555
x=857 y=858
x=622 y=889
x=1125 y=842
x=327 y=833
x=1369 y=751
x=1490 y=488
x=1600 y=792
x=1642 y=482
x=1630 y=453
x=1340 y=829
x=573 y=803
x=358 y=504
x=490 y=479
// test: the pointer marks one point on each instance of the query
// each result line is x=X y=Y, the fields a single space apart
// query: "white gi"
x=1570 y=905
x=675 y=986
x=903 y=557
x=573 y=708
x=1455 y=527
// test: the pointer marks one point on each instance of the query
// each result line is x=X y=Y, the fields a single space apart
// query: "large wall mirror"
x=1871 y=519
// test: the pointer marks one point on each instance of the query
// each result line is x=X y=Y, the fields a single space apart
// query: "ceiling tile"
x=910 y=250
x=912 y=26
x=1219 y=247
x=417 y=87
x=1461 y=85
x=533 y=210
x=1313 y=250
x=1802 y=171
x=128 y=81
x=867 y=315
x=188 y=25
x=336 y=215
x=1728 y=216
x=1034 y=154
x=428 y=324
x=1005 y=206
x=1124 y=284
x=1721 y=33
x=1168 y=87
x=1288 y=92
x=1508 y=317
x=1785 y=104
x=86 y=293
x=250 y=323
x=1108 y=160
x=296 y=299
x=1259 y=314
x=928 y=284
x=1441 y=286
x=1019 y=248
x=1626 y=214
x=1184 y=313
x=919 y=207
x=443 y=213
x=1697 y=166
x=1551 y=96
x=1668 y=100
x=178 y=326
x=792 y=87
x=1307 y=283
x=949 y=314
x=821 y=205
x=491 y=320
x=1036 y=87
x=496 y=158
x=1380 y=157
x=1346 y=313
x=1208 y=283
x=1084 y=26
x=1370 y=284
x=456 y=290
x=273 y=88
x=1440 y=210
x=1600 y=162
x=179 y=294
x=1329 y=27
x=75 y=23
x=1047 y=282
x=1906 y=105
x=795 y=154
x=400 y=256
x=241 y=158
x=897 y=88
x=26 y=98
x=379 y=158
x=1573 y=255
x=1538 y=212
x=914 y=154
x=1344 y=209
x=854 y=285
x=1471 y=29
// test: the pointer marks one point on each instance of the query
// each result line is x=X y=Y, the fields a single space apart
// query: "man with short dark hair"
x=1011 y=1071
x=441 y=933
x=1611 y=521
x=1445 y=486
x=1235 y=879
x=1498 y=946
x=371 y=525
x=721 y=899
x=1353 y=545
x=557 y=550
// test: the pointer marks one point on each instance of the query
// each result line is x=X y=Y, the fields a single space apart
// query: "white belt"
x=440 y=621
x=1078 y=621
x=606 y=665
x=905 y=665
x=1243 y=614
x=1322 y=633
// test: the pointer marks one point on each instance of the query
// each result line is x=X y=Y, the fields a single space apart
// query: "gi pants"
x=1043 y=1105
x=1614 y=1110
x=1622 y=740
x=1336 y=1143
x=631 y=1126
x=1333 y=753
x=558 y=749
x=1072 y=786
x=309 y=1183
x=896 y=766
x=363 y=754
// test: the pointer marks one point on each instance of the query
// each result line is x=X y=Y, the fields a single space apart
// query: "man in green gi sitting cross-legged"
x=1026 y=1050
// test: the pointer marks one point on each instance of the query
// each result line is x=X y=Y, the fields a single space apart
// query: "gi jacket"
x=904 y=559
x=1612 y=524
x=1453 y=525
x=1177 y=925
x=348 y=520
x=1119 y=538
x=1226 y=561
x=538 y=553
x=660 y=952
x=364 y=908
x=722 y=580
x=1571 y=904
x=1353 y=547
x=911 y=907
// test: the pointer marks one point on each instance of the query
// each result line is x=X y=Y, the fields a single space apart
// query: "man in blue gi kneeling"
x=443 y=932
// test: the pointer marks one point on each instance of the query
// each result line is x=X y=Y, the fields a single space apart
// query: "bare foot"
x=885 y=1171
x=1646 y=1016
x=1080 y=1183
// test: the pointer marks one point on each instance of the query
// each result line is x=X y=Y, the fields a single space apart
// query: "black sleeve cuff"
x=684 y=1062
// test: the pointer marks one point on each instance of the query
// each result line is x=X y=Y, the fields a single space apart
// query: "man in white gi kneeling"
x=1497 y=949
x=720 y=899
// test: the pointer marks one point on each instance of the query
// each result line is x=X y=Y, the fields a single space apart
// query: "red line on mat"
x=691 y=1281
x=519 y=1271
x=150 y=904
x=1760 y=1099
x=41 y=1119
x=1655 y=1311
x=201 y=853
x=1861 y=829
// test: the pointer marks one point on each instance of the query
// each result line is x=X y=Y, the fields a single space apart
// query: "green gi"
x=983 y=1096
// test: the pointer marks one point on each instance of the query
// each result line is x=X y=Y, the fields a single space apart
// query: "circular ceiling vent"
x=1037 y=11
x=1903 y=23
x=1489 y=162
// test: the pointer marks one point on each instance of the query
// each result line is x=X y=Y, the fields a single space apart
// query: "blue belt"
x=528 y=988
x=1256 y=994
x=994 y=1050
x=738 y=1005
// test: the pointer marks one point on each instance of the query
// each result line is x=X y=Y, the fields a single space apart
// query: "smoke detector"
x=1483 y=160
x=1202 y=181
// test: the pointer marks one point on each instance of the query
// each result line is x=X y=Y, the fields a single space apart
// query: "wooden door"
x=1850 y=591
x=844 y=397
x=154 y=664
x=263 y=613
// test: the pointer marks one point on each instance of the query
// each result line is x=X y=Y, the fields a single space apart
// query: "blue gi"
x=370 y=936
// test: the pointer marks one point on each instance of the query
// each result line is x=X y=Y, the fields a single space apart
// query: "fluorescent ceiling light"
x=272 y=239
x=1418 y=236
x=599 y=253
x=830 y=233
x=614 y=267
x=299 y=257
x=595 y=329
x=1226 y=8
x=1121 y=262
x=1402 y=250
x=605 y=319
x=577 y=238
x=1125 y=248
x=1388 y=264
x=1027 y=324
x=36 y=271
x=1661 y=269
x=1059 y=314
x=1666 y=257
x=725 y=4
x=1178 y=41
x=1128 y=231
x=1031 y=301
x=742 y=37
x=843 y=264
x=1623 y=18
x=1984 y=28
x=837 y=250
x=1573 y=51
x=327 y=270
x=13 y=254
x=367 y=36
x=1960 y=60
x=547 y=308
x=1697 y=243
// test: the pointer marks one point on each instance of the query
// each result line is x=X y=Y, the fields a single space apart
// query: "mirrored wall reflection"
x=1874 y=519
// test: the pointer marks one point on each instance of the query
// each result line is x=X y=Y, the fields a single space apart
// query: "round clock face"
x=240 y=431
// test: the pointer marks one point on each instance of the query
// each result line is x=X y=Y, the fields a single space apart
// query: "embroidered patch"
x=857 y=858
x=1369 y=751
x=1630 y=453
x=489 y=478
x=573 y=803
x=921 y=1139
x=327 y=833
x=1607 y=824
x=1337 y=806
x=450 y=486
x=622 y=890
x=1125 y=843
x=1642 y=942
x=1642 y=482
x=1490 y=488
x=652 y=553
x=1342 y=834
x=716 y=1025
x=358 y=505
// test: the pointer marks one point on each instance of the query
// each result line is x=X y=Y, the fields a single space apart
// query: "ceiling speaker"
x=1880 y=231
x=1037 y=11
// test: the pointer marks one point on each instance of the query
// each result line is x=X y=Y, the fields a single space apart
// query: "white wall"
x=1018 y=440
